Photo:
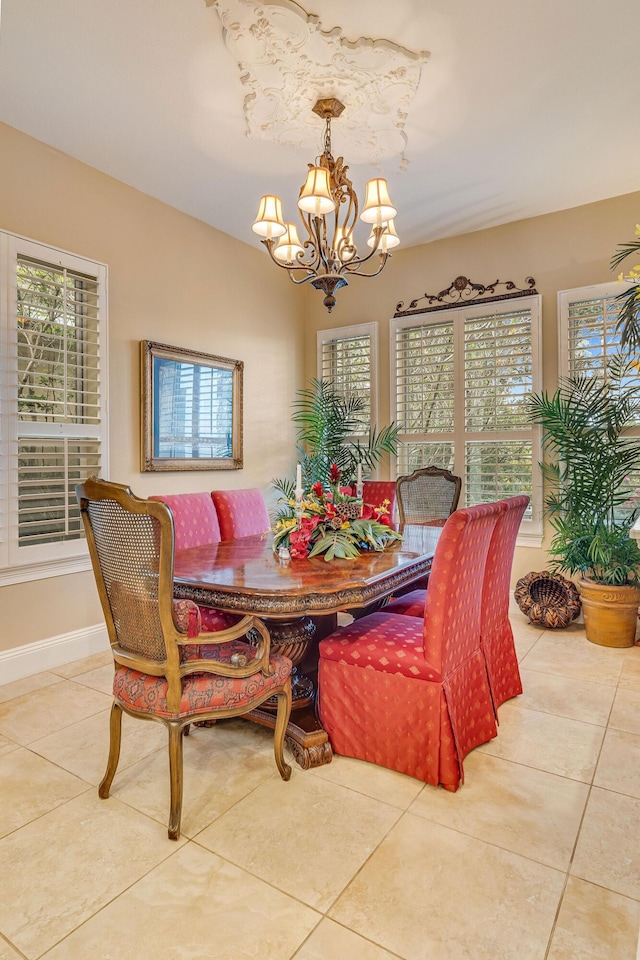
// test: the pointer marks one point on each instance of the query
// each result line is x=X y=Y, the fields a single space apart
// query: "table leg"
x=298 y=640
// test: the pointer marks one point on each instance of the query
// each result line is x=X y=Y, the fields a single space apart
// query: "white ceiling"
x=523 y=107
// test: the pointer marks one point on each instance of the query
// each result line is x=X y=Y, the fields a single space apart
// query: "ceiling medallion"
x=287 y=61
x=328 y=207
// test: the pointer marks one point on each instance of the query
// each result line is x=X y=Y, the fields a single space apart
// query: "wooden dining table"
x=299 y=601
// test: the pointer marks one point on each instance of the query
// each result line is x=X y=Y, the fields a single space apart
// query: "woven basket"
x=548 y=599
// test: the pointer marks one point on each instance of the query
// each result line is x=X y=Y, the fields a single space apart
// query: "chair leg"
x=115 y=736
x=282 y=719
x=175 y=776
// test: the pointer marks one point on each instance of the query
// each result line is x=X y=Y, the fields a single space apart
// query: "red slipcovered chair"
x=241 y=513
x=195 y=522
x=374 y=492
x=160 y=672
x=413 y=694
x=496 y=635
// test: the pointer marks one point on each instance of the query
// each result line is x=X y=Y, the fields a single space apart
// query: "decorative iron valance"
x=462 y=291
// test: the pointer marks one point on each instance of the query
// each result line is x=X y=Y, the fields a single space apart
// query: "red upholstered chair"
x=241 y=513
x=195 y=522
x=497 y=635
x=161 y=668
x=413 y=694
x=374 y=492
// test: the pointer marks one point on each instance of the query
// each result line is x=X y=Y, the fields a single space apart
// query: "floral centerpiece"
x=327 y=521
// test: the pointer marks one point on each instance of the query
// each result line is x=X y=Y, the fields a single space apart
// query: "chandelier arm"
x=351 y=266
x=320 y=242
x=270 y=245
x=312 y=243
x=383 y=259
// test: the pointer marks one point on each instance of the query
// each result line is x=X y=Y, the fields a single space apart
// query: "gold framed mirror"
x=191 y=409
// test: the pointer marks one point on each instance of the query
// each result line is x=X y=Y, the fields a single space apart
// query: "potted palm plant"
x=329 y=428
x=590 y=458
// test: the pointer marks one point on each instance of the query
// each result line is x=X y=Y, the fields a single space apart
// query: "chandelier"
x=328 y=208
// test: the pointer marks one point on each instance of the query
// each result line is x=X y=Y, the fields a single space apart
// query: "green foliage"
x=328 y=427
x=629 y=315
x=590 y=458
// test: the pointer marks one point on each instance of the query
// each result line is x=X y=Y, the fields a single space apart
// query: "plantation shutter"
x=460 y=381
x=498 y=377
x=425 y=389
x=58 y=397
x=592 y=338
x=346 y=357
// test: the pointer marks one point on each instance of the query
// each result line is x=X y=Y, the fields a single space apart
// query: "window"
x=53 y=374
x=588 y=335
x=460 y=378
x=588 y=341
x=347 y=357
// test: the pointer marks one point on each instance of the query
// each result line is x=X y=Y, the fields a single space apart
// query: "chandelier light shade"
x=328 y=207
x=269 y=223
x=288 y=246
x=377 y=203
x=388 y=239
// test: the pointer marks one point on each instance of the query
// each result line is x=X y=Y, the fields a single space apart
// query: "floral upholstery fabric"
x=195 y=521
x=374 y=492
x=241 y=513
x=201 y=692
x=373 y=683
x=497 y=635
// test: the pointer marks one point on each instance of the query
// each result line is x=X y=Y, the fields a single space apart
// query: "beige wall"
x=561 y=250
x=171 y=278
x=177 y=280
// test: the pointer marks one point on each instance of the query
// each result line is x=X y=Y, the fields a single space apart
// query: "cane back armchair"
x=428 y=495
x=166 y=669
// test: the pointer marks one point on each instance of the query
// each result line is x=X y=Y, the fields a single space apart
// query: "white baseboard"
x=19 y=662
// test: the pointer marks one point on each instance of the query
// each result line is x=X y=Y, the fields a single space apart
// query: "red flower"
x=329 y=511
x=384 y=519
x=298 y=552
x=318 y=490
x=334 y=473
x=307 y=526
x=367 y=511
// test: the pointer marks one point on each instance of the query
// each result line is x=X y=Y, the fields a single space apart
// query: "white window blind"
x=54 y=371
x=347 y=357
x=460 y=380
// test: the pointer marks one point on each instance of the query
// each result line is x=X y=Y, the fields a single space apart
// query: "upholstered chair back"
x=495 y=593
x=195 y=521
x=241 y=513
x=374 y=492
x=452 y=614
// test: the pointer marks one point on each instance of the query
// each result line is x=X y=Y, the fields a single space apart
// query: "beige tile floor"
x=537 y=857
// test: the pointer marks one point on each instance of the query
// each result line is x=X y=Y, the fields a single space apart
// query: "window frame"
x=531 y=531
x=38 y=561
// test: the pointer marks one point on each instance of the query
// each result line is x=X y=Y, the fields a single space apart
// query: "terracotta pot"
x=610 y=613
